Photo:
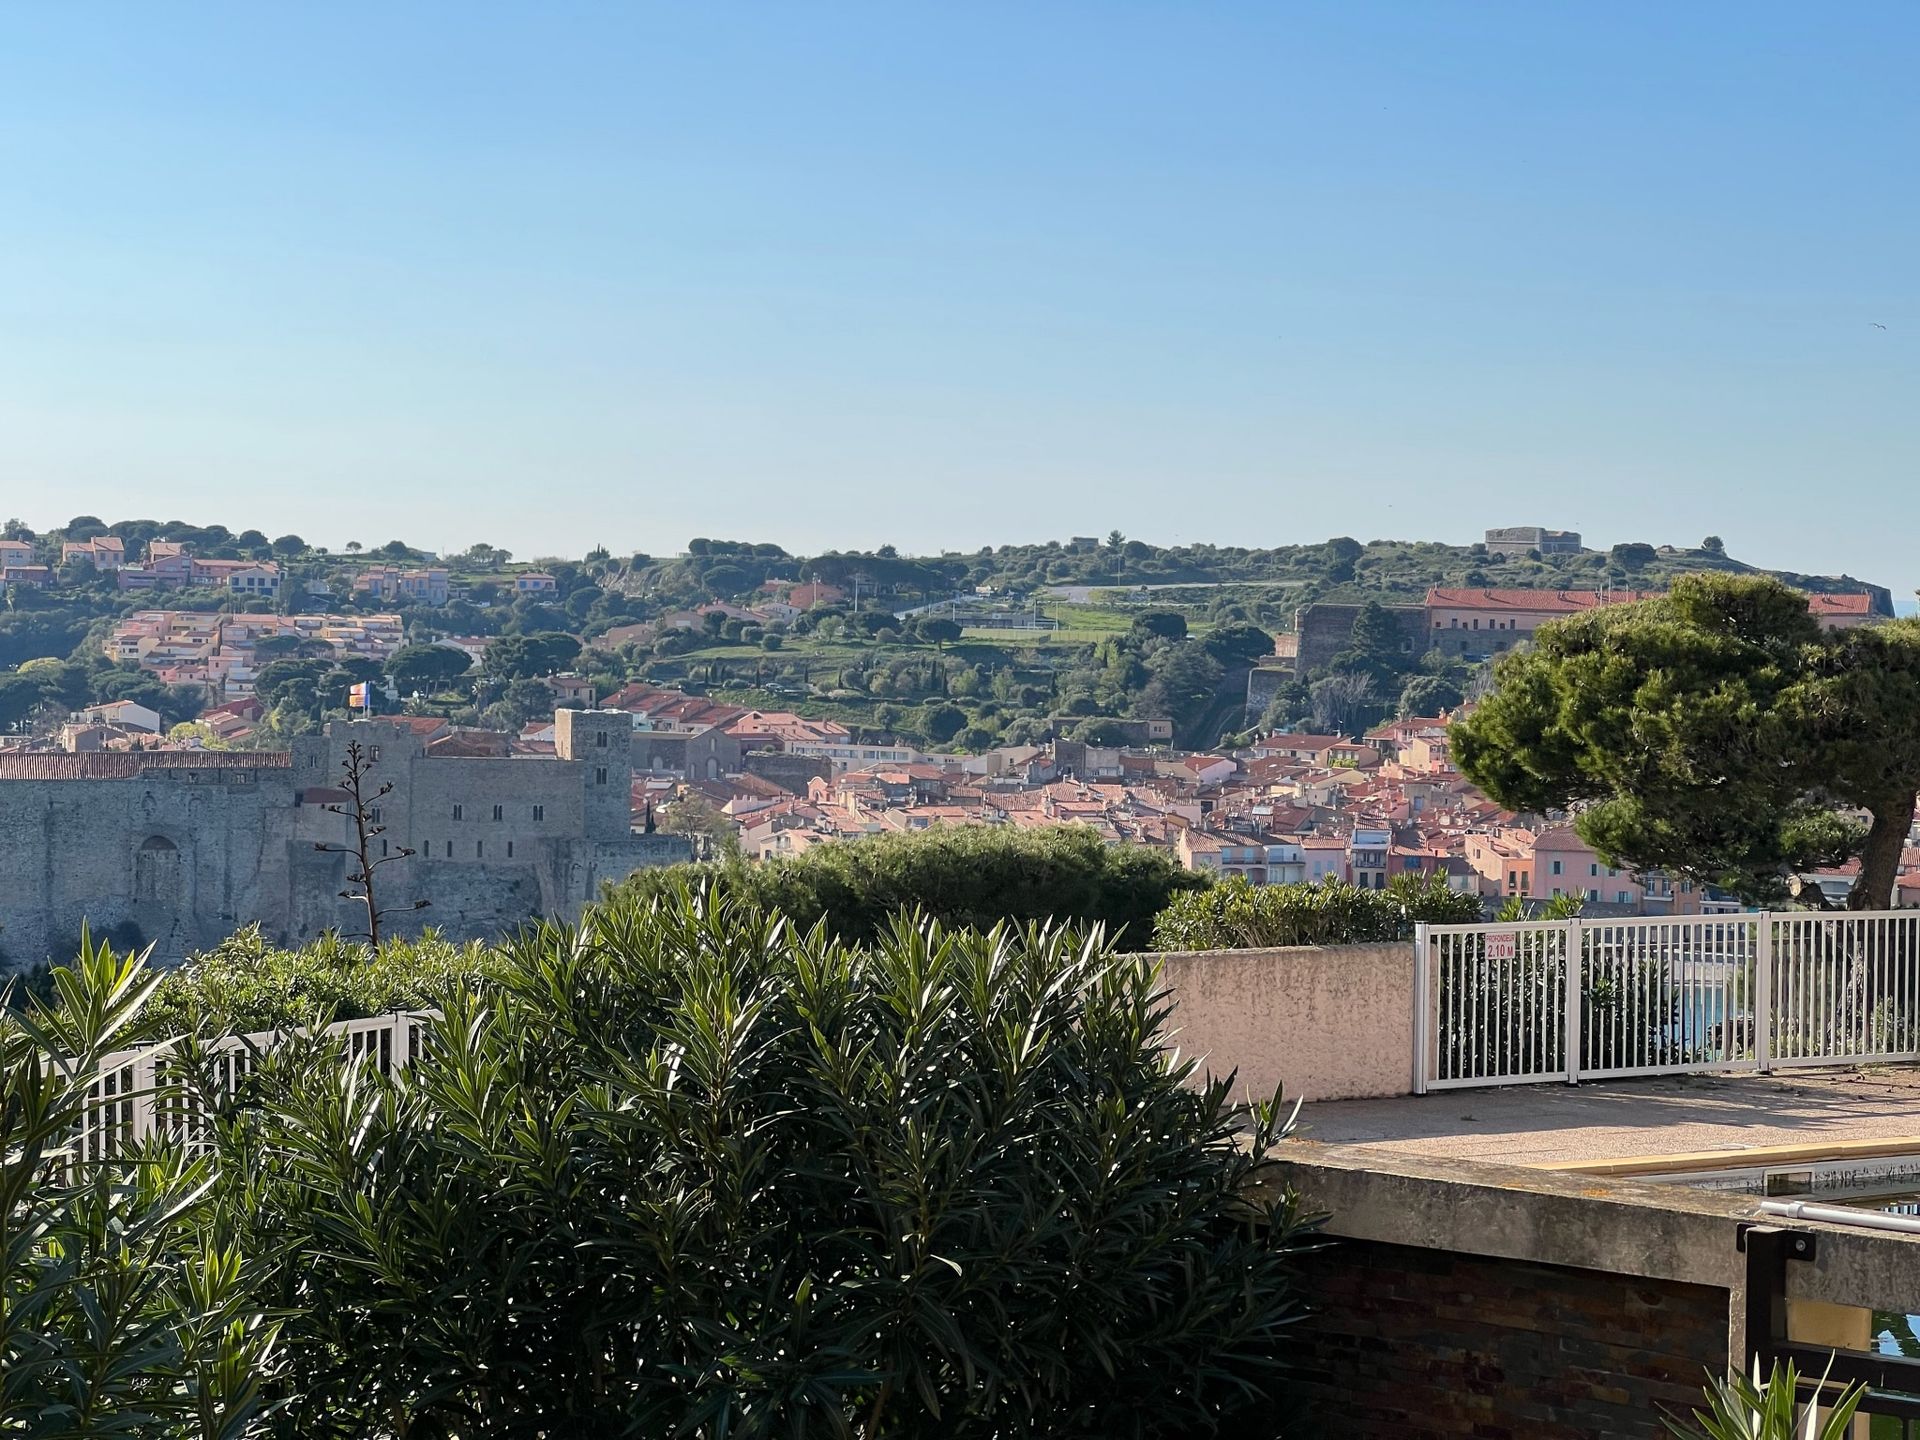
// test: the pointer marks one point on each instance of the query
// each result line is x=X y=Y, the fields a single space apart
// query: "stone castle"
x=182 y=847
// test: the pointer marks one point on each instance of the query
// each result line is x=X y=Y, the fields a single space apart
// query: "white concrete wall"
x=1330 y=1023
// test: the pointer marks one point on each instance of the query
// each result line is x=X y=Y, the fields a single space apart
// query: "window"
x=459 y=812
x=479 y=849
x=1557 y=871
x=449 y=849
x=509 y=849
x=1593 y=894
x=539 y=812
x=1593 y=870
x=1624 y=897
x=373 y=753
x=600 y=740
x=383 y=847
x=600 y=775
x=499 y=812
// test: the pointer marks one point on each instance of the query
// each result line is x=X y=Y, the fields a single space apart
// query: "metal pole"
x=1422 y=1008
x=1573 y=938
x=1763 y=992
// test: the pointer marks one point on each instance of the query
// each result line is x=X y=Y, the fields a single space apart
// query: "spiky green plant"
x=687 y=1171
x=124 y=1307
x=1741 y=1407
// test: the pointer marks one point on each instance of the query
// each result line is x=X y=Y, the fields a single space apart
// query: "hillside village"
x=779 y=705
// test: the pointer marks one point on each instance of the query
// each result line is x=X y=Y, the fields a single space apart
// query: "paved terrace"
x=1849 y=1110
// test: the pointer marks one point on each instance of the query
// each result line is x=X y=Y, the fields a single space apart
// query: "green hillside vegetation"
x=883 y=675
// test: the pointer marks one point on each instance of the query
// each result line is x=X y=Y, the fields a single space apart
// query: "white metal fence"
x=138 y=1094
x=1507 y=1004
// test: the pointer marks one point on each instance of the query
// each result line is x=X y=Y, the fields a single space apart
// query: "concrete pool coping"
x=1706 y=1120
x=1686 y=1162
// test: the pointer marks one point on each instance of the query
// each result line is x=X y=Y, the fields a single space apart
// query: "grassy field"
x=1080 y=624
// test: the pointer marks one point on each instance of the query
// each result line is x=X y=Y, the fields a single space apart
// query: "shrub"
x=1239 y=916
x=126 y=1308
x=961 y=875
x=1739 y=1408
x=687 y=1170
x=246 y=984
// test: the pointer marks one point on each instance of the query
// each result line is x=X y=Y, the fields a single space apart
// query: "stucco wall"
x=1331 y=1023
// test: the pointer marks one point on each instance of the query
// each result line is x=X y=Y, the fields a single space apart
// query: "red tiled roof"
x=1857 y=604
x=1537 y=602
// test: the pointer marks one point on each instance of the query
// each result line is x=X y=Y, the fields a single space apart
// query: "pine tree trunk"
x=1880 y=859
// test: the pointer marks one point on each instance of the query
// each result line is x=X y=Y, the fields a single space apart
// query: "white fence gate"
x=133 y=1101
x=1508 y=1004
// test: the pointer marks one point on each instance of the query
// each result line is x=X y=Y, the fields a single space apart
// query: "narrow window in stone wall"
x=374 y=814
x=509 y=849
x=499 y=812
x=539 y=812
x=601 y=740
x=383 y=847
x=459 y=812
x=449 y=849
x=479 y=849
x=600 y=776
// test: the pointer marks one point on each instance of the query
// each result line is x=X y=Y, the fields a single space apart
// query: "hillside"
x=1002 y=645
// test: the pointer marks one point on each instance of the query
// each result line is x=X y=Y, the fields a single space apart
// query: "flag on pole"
x=360 y=696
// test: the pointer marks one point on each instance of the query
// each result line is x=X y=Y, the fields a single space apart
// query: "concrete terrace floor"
x=1559 y=1124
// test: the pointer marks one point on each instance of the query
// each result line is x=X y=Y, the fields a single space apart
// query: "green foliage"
x=1238 y=644
x=1425 y=696
x=246 y=984
x=688 y=1171
x=963 y=875
x=941 y=723
x=1711 y=733
x=1161 y=625
x=427 y=667
x=528 y=657
x=1749 y=1408
x=1240 y=916
x=126 y=1306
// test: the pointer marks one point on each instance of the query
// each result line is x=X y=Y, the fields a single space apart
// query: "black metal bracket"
x=1799 y=1244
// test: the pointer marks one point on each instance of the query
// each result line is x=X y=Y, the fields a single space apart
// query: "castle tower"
x=601 y=743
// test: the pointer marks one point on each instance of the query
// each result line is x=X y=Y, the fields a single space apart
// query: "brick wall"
x=1414 y=1343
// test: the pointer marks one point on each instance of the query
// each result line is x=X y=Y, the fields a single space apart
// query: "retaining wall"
x=1329 y=1022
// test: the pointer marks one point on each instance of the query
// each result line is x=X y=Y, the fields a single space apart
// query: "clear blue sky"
x=940 y=276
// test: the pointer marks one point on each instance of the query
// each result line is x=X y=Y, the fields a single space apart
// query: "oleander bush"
x=126 y=1307
x=248 y=984
x=687 y=1169
x=1239 y=916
